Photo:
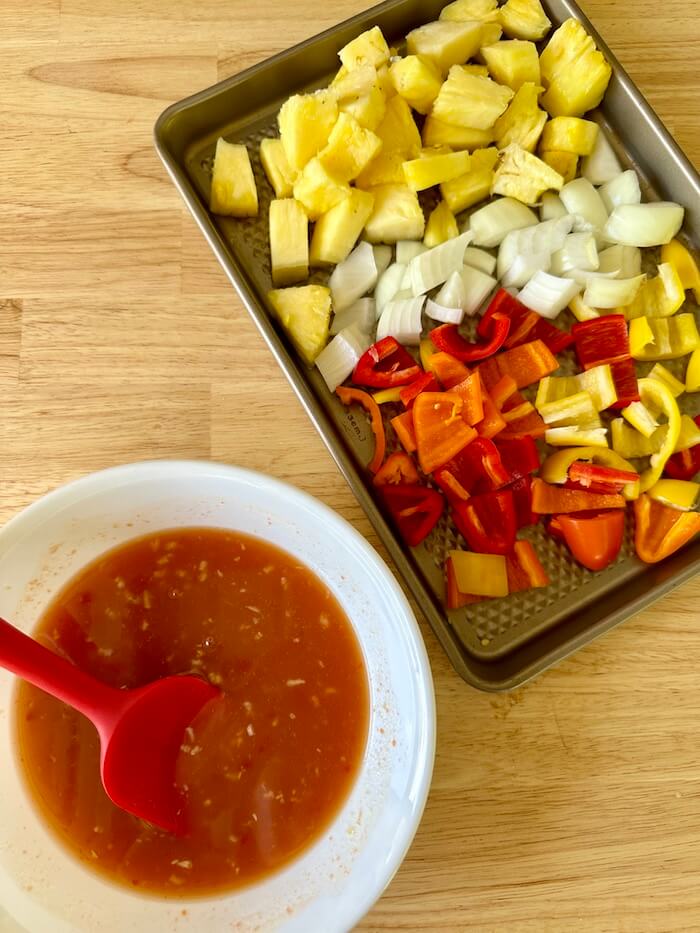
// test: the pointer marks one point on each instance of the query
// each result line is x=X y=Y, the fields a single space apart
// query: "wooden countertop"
x=572 y=804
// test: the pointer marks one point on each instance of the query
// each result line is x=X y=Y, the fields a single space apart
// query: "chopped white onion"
x=602 y=164
x=402 y=320
x=644 y=224
x=353 y=277
x=445 y=315
x=477 y=287
x=491 y=223
x=434 y=266
x=547 y=294
x=479 y=259
x=611 y=293
x=580 y=197
x=584 y=276
x=388 y=285
x=524 y=266
x=382 y=257
x=453 y=293
x=338 y=359
x=578 y=252
x=622 y=189
x=626 y=259
x=361 y=313
x=551 y=206
x=545 y=237
x=406 y=250
x=407 y=280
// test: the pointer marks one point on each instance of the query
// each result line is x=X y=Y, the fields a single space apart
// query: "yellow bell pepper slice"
x=387 y=395
x=692 y=373
x=427 y=349
x=685 y=265
x=640 y=418
x=628 y=442
x=663 y=375
x=581 y=311
x=480 y=574
x=588 y=435
x=597 y=381
x=677 y=493
x=573 y=409
x=652 y=391
x=661 y=296
x=689 y=434
x=663 y=338
x=555 y=468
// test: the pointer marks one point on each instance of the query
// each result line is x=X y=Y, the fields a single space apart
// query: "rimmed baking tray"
x=498 y=644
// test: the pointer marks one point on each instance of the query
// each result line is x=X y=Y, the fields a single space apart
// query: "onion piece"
x=434 y=266
x=361 y=313
x=547 y=294
x=611 y=293
x=479 y=259
x=402 y=320
x=580 y=197
x=353 y=277
x=584 y=276
x=490 y=224
x=602 y=164
x=338 y=359
x=578 y=252
x=406 y=250
x=382 y=257
x=524 y=266
x=551 y=206
x=622 y=189
x=453 y=293
x=547 y=236
x=388 y=285
x=626 y=259
x=644 y=224
x=477 y=287
x=441 y=313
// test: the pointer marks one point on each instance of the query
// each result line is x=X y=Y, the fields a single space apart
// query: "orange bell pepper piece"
x=522 y=421
x=518 y=413
x=441 y=432
x=469 y=390
x=448 y=370
x=502 y=391
x=661 y=530
x=527 y=363
x=524 y=569
x=560 y=499
x=403 y=426
x=397 y=468
x=492 y=422
x=347 y=396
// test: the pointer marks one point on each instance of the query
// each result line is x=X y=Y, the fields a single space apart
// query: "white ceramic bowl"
x=328 y=889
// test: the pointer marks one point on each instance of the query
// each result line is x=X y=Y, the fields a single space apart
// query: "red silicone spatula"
x=140 y=730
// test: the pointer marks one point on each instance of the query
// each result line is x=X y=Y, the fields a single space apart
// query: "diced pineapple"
x=397 y=215
x=462 y=11
x=574 y=73
x=349 y=149
x=384 y=169
x=277 y=169
x=233 y=191
x=490 y=34
x=417 y=80
x=398 y=131
x=513 y=62
x=470 y=100
x=565 y=163
x=336 y=232
x=369 y=109
x=369 y=48
x=475 y=185
x=523 y=121
x=289 y=242
x=304 y=312
x=349 y=85
x=305 y=122
x=444 y=42
x=480 y=70
x=570 y=134
x=441 y=226
x=432 y=170
x=523 y=176
x=524 y=19
x=318 y=191
x=386 y=85
x=437 y=133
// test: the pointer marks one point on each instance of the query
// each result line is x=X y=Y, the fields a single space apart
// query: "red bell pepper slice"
x=559 y=499
x=478 y=467
x=385 y=364
x=594 y=539
x=527 y=363
x=601 y=340
x=397 y=469
x=447 y=338
x=488 y=522
x=525 y=325
x=441 y=432
x=450 y=485
x=403 y=426
x=455 y=599
x=522 y=498
x=414 y=508
x=346 y=396
x=448 y=370
x=501 y=303
x=600 y=478
x=426 y=382
x=525 y=572
x=625 y=379
x=520 y=456
x=528 y=423
x=686 y=463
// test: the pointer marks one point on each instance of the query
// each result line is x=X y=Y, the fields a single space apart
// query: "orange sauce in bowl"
x=264 y=770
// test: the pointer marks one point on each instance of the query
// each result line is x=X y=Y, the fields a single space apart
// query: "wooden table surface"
x=571 y=804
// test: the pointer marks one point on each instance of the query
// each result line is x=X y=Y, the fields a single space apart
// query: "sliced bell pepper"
x=524 y=569
x=426 y=382
x=470 y=391
x=661 y=530
x=448 y=370
x=602 y=340
x=505 y=304
x=447 y=338
x=659 y=371
x=686 y=464
x=521 y=328
x=594 y=540
x=557 y=500
x=625 y=380
x=397 y=469
x=601 y=478
x=403 y=426
x=347 y=396
x=487 y=522
x=385 y=396
x=426 y=351
x=575 y=409
x=692 y=373
x=661 y=338
x=518 y=413
x=454 y=597
x=492 y=423
x=480 y=574
x=676 y=493
x=597 y=381
x=522 y=499
x=450 y=485
x=478 y=467
x=441 y=432
x=525 y=325
x=651 y=391
x=504 y=389
x=414 y=508
x=689 y=434
x=385 y=364
x=641 y=419
x=661 y=296
x=557 y=466
x=519 y=457
x=527 y=363
x=684 y=264
x=528 y=425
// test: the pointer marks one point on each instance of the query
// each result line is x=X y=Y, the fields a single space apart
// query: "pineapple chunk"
x=574 y=73
x=523 y=121
x=445 y=43
x=417 y=80
x=490 y=34
x=349 y=149
x=565 y=163
x=305 y=122
x=289 y=242
x=233 y=191
x=462 y=11
x=385 y=169
x=513 y=62
x=317 y=190
x=349 y=85
x=523 y=176
x=397 y=215
x=398 y=131
x=524 y=19
x=336 y=232
x=386 y=85
x=305 y=313
x=369 y=48
x=469 y=100
x=277 y=169
x=441 y=226
x=480 y=70
x=570 y=134
x=437 y=133
x=433 y=169
x=369 y=109
x=475 y=185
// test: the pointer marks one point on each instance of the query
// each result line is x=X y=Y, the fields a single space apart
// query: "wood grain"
x=571 y=804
